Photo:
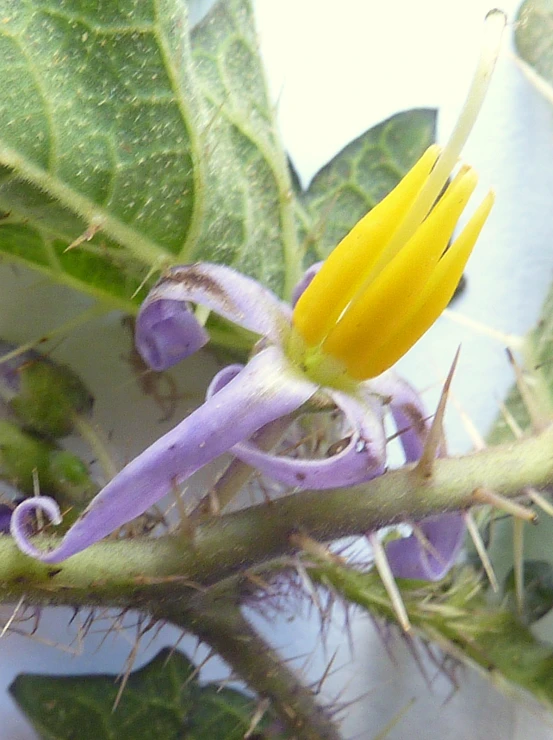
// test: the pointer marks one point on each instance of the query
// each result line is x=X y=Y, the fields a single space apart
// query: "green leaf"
x=155 y=703
x=225 y=713
x=250 y=214
x=113 y=135
x=360 y=176
x=533 y=38
x=161 y=700
x=92 y=118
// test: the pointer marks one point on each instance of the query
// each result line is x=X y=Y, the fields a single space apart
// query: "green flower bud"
x=72 y=485
x=48 y=397
x=20 y=455
x=25 y=458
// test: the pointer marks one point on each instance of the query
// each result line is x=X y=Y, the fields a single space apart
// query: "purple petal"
x=238 y=298
x=222 y=378
x=305 y=281
x=362 y=459
x=167 y=333
x=262 y=392
x=410 y=417
x=409 y=558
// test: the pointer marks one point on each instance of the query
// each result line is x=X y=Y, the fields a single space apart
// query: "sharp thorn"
x=510 y=340
x=435 y=438
x=143 y=282
x=389 y=582
x=518 y=563
x=474 y=533
x=476 y=438
x=90 y=232
x=312 y=547
x=541 y=501
x=510 y=421
x=425 y=542
x=485 y=496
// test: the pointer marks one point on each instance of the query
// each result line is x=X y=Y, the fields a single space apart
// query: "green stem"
x=170 y=577
x=223 y=627
x=127 y=571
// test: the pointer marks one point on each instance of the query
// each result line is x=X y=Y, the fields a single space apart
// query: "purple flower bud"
x=412 y=557
x=167 y=331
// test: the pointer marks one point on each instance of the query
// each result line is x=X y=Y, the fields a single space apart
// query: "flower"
x=375 y=295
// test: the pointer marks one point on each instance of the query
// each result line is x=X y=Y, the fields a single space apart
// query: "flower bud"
x=43 y=394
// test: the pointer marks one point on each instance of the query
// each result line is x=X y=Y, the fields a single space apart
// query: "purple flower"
x=375 y=295
x=240 y=401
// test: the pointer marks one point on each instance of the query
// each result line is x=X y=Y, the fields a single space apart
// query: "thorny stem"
x=173 y=578
x=110 y=572
x=224 y=628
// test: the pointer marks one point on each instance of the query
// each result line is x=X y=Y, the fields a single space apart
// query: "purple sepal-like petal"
x=362 y=459
x=408 y=557
x=305 y=281
x=411 y=558
x=167 y=333
x=410 y=416
x=236 y=297
x=262 y=392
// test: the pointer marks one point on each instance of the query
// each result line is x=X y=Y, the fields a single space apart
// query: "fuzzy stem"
x=224 y=628
x=170 y=577
x=114 y=572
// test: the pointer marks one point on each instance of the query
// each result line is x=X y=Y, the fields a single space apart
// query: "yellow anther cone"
x=390 y=278
x=377 y=357
x=351 y=263
x=376 y=315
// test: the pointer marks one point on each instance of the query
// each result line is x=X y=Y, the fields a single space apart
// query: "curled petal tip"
x=167 y=332
x=361 y=458
x=20 y=520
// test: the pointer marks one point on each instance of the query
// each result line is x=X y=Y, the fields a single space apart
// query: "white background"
x=335 y=69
